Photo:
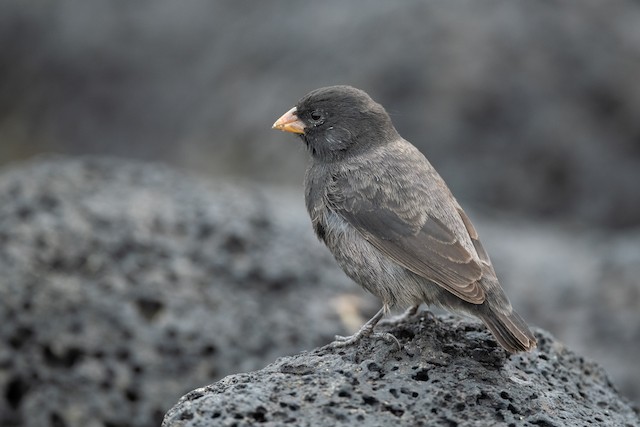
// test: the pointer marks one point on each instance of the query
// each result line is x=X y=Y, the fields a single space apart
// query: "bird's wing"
x=396 y=214
x=475 y=239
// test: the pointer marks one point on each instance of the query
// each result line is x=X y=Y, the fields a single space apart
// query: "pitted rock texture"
x=125 y=285
x=583 y=285
x=448 y=372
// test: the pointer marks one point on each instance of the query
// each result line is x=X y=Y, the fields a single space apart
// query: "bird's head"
x=338 y=121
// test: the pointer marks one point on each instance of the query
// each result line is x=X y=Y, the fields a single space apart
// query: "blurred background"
x=526 y=107
x=529 y=110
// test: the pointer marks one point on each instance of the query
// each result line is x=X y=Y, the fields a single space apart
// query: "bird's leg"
x=409 y=312
x=365 y=331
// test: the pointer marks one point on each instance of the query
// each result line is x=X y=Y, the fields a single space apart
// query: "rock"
x=124 y=285
x=581 y=284
x=449 y=372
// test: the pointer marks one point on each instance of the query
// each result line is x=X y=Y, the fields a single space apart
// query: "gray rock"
x=125 y=285
x=581 y=284
x=448 y=373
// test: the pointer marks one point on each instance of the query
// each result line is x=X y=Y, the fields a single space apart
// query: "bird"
x=390 y=220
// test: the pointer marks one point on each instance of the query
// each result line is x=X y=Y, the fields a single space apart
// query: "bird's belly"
x=371 y=269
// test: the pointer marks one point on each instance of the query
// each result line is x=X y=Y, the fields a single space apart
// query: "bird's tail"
x=510 y=330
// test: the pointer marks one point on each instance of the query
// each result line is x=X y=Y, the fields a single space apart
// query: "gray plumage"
x=390 y=220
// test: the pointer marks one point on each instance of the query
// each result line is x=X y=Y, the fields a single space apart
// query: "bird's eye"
x=316 y=115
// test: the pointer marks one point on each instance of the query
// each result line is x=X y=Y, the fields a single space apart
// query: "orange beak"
x=289 y=122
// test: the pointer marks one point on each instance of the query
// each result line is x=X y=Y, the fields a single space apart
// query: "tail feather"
x=510 y=330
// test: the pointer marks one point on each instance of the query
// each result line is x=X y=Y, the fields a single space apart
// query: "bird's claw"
x=341 y=341
x=408 y=314
x=390 y=338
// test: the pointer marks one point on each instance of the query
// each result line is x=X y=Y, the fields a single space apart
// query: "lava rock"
x=581 y=284
x=124 y=285
x=448 y=372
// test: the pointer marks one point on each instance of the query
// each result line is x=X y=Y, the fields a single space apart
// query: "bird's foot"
x=408 y=314
x=342 y=342
x=429 y=314
x=366 y=331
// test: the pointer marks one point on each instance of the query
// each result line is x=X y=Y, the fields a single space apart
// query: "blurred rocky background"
x=526 y=106
x=529 y=110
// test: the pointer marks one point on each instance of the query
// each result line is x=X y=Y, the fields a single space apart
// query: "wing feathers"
x=433 y=252
x=396 y=210
x=482 y=254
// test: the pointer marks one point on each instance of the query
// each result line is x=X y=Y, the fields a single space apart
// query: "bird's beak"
x=289 y=122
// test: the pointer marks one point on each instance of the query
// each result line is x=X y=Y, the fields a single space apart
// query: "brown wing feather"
x=474 y=237
x=424 y=246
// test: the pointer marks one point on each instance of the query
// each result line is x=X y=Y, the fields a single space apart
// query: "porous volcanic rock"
x=449 y=372
x=124 y=285
x=581 y=284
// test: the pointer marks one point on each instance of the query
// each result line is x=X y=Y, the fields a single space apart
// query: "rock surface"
x=449 y=372
x=581 y=284
x=125 y=285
